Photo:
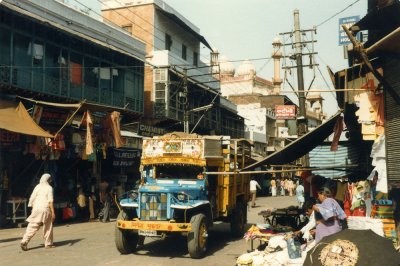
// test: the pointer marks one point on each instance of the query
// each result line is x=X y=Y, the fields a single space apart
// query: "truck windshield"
x=178 y=172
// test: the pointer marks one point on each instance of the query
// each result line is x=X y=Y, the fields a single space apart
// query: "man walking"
x=41 y=201
x=253 y=191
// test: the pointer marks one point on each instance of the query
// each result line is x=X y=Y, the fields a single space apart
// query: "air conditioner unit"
x=160 y=75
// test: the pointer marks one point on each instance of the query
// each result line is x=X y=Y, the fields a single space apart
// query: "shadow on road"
x=60 y=243
x=10 y=239
x=176 y=246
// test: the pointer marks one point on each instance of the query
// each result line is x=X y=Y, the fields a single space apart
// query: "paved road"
x=93 y=244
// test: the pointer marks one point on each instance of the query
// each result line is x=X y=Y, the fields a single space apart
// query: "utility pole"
x=302 y=118
x=298 y=44
x=185 y=102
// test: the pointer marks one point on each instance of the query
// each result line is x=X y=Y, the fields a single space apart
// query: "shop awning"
x=185 y=26
x=16 y=118
x=300 y=146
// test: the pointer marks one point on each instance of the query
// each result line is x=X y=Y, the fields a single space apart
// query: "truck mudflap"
x=154 y=226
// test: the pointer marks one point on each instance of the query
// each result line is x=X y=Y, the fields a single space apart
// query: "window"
x=168 y=42
x=92 y=73
x=5 y=46
x=75 y=69
x=184 y=51
x=127 y=28
x=195 y=59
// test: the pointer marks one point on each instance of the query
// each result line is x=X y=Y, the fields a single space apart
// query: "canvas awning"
x=16 y=118
x=300 y=146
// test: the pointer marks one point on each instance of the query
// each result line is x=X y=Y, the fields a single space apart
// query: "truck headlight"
x=133 y=195
x=182 y=197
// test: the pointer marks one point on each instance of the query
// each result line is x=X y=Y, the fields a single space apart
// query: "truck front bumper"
x=154 y=225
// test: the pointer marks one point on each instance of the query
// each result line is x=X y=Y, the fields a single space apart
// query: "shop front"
x=86 y=146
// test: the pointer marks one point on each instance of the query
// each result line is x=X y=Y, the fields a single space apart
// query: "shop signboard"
x=46 y=116
x=124 y=157
x=285 y=112
x=348 y=22
x=150 y=131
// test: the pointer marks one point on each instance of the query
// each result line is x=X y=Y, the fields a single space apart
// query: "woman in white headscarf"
x=41 y=201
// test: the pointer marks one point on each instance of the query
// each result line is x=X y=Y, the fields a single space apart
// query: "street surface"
x=93 y=244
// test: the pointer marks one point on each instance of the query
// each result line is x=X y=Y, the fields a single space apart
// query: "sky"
x=245 y=29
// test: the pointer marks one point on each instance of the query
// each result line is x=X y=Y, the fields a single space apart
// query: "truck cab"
x=188 y=182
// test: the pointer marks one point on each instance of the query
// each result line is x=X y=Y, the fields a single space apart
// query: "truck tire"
x=238 y=220
x=197 y=238
x=126 y=241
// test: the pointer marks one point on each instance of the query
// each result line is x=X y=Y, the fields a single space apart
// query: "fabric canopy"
x=17 y=119
x=300 y=146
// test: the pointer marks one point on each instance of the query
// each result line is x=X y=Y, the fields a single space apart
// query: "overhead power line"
x=337 y=13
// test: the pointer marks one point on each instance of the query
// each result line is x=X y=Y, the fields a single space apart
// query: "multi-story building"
x=57 y=55
x=173 y=53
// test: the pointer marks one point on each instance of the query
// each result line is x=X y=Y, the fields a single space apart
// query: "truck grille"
x=153 y=206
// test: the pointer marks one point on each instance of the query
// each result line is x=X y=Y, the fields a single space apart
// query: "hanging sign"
x=348 y=21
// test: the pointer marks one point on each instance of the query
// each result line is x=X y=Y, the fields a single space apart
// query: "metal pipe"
x=376 y=45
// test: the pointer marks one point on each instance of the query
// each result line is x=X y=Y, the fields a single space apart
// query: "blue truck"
x=188 y=182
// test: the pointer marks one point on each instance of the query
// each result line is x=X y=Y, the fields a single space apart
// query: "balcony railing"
x=44 y=83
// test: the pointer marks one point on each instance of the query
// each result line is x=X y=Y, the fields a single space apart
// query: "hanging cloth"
x=89 y=133
x=115 y=127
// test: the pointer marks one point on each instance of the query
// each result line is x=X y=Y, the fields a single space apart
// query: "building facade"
x=65 y=67
x=177 y=80
x=257 y=99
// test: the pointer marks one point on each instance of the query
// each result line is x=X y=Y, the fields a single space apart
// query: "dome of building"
x=277 y=41
x=316 y=107
x=246 y=69
x=226 y=67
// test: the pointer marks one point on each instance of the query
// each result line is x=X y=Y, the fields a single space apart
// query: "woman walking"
x=41 y=201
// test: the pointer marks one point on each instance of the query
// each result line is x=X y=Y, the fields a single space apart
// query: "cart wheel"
x=273 y=221
x=267 y=221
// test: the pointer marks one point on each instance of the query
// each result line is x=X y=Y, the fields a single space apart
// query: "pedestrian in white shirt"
x=307 y=230
x=300 y=194
x=253 y=191
x=41 y=201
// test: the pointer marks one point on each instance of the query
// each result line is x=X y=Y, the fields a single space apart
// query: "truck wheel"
x=238 y=220
x=126 y=241
x=197 y=238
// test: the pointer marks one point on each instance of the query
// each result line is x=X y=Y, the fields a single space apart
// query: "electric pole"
x=298 y=44
x=302 y=118
x=185 y=102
